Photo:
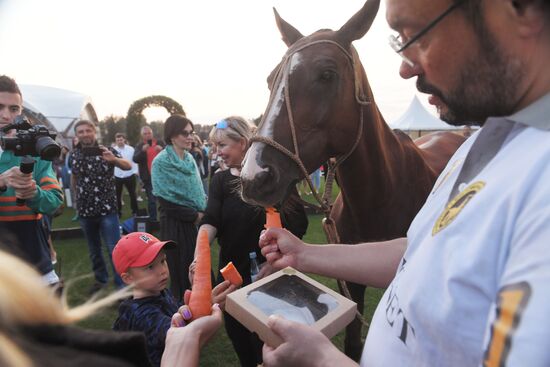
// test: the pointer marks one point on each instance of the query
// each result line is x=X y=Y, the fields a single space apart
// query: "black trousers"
x=130 y=183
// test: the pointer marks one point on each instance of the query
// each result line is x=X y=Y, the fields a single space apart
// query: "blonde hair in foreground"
x=26 y=300
x=237 y=128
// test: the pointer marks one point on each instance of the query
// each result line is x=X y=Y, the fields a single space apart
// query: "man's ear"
x=528 y=16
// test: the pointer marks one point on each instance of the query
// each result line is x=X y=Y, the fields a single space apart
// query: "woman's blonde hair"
x=232 y=127
x=25 y=300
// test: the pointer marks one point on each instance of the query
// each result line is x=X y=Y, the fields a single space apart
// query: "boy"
x=139 y=259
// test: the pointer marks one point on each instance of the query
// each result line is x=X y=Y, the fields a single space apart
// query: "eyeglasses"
x=397 y=44
x=187 y=134
x=223 y=124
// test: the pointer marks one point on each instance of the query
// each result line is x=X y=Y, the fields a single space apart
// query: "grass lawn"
x=74 y=266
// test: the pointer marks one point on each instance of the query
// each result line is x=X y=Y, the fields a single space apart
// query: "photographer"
x=21 y=228
x=93 y=169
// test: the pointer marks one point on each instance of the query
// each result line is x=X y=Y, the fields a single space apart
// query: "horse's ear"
x=359 y=24
x=289 y=33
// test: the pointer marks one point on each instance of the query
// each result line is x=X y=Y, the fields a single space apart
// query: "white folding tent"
x=58 y=108
x=417 y=120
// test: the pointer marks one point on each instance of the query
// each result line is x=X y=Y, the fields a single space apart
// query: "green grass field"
x=75 y=268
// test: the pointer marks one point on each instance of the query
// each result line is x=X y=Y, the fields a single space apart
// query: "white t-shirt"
x=481 y=264
x=127 y=153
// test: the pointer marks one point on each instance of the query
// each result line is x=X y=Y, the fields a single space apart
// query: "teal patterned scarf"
x=177 y=180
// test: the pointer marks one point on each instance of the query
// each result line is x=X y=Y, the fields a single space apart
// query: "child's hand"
x=192 y=271
x=220 y=292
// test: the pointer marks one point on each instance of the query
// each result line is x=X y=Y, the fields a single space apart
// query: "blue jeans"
x=108 y=227
x=316 y=179
x=151 y=200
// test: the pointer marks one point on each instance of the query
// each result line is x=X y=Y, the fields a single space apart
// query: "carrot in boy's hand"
x=230 y=272
x=272 y=218
x=200 y=301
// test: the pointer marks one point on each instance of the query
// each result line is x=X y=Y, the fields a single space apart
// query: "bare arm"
x=211 y=230
x=373 y=264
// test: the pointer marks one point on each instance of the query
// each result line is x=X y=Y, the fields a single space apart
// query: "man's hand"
x=302 y=346
x=281 y=248
x=22 y=183
x=107 y=155
x=158 y=148
x=145 y=147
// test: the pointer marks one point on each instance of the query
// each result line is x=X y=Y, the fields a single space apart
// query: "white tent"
x=57 y=108
x=416 y=118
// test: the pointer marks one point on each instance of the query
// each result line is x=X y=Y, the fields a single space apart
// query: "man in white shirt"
x=470 y=284
x=125 y=177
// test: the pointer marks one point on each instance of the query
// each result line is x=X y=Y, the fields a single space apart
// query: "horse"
x=321 y=106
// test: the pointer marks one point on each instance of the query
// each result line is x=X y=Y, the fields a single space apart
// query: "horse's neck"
x=383 y=179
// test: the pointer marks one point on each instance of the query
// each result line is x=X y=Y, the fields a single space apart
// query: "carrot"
x=200 y=301
x=272 y=218
x=231 y=273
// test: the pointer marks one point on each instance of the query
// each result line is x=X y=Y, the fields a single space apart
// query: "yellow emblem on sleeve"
x=456 y=205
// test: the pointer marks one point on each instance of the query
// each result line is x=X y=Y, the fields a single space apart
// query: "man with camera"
x=144 y=154
x=93 y=168
x=25 y=197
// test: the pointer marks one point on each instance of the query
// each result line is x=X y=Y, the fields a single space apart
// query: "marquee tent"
x=417 y=120
x=57 y=108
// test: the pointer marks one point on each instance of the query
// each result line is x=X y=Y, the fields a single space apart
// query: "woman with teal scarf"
x=178 y=187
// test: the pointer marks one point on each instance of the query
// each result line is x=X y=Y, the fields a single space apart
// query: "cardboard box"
x=294 y=296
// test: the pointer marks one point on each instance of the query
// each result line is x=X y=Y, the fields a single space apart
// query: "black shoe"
x=96 y=287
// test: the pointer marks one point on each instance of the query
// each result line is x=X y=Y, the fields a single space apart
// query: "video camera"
x=35 y=141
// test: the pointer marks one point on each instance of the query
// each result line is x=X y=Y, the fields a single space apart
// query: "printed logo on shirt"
x=456 y=205
x=395 y=316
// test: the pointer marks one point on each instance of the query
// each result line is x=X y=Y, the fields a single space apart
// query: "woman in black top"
x=237 y=225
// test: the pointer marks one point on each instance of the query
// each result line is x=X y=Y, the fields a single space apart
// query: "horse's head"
x=308 y=118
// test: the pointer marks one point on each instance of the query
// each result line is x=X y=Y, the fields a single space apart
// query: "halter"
x=325 y=205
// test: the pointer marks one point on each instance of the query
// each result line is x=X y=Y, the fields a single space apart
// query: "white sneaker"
x=139 y=198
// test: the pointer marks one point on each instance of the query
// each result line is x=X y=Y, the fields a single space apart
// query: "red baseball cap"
x=136 y=249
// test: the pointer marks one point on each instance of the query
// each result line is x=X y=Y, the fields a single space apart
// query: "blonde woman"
x=237 y=225
x=35 y=328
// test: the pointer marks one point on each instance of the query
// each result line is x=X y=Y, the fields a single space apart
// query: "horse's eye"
x=327 y=75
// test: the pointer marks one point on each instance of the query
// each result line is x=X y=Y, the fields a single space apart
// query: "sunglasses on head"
x=222 y=124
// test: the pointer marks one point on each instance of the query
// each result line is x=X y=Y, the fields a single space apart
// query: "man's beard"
x=485 y=85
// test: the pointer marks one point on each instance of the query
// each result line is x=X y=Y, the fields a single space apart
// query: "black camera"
x=35 y=141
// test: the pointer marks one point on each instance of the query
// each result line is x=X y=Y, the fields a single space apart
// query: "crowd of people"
x=467 y=286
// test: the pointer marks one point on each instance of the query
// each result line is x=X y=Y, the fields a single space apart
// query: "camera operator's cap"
x=137 y=249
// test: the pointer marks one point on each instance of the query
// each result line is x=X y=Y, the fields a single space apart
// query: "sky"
x=212 y=56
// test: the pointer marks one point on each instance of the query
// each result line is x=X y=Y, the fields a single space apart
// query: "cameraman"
x=21 y=228
x=93 y=171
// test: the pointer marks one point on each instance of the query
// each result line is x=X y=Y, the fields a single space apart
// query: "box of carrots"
x=294 y=296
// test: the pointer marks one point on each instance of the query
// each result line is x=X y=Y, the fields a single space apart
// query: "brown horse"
x=321 y=106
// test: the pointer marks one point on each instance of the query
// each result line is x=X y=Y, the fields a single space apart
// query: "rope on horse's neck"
x=325 y=205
